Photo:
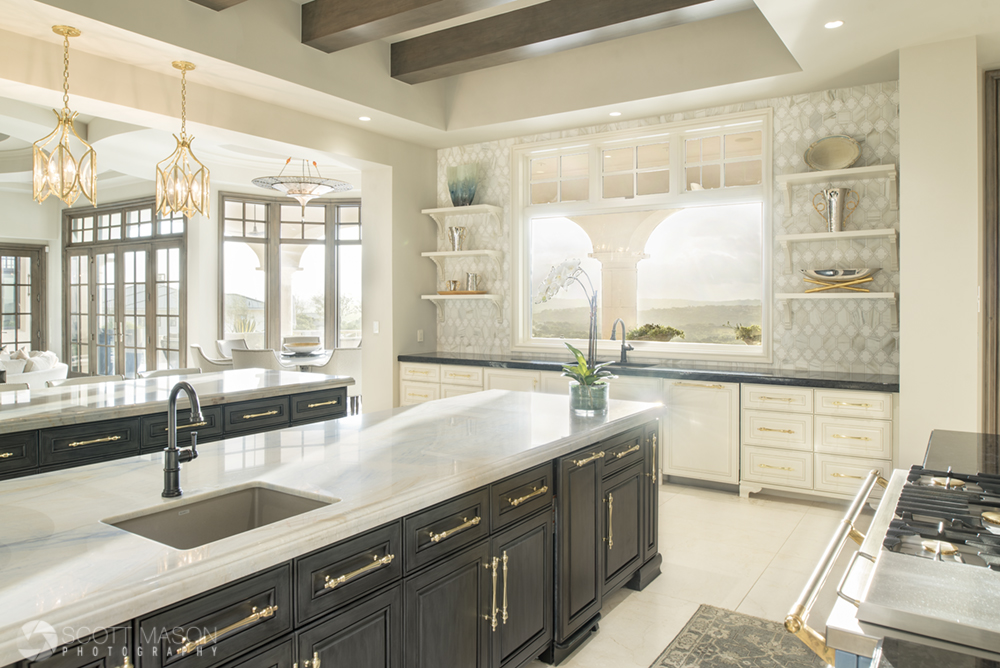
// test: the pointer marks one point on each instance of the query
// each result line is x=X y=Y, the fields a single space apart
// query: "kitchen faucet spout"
x=173 y=456
x=625 y=346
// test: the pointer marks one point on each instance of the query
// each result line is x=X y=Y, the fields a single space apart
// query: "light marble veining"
x=59 y=563
x=56 y=406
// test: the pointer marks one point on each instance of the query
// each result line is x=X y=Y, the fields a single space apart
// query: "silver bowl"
x=838 y=275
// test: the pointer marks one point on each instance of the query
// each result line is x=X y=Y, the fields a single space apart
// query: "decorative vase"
x=462 y=182
x=836 y=205
x=588 y=399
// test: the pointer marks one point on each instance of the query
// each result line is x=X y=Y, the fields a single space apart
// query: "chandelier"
x=55 y=171
x=303 y=187
x=181 y=179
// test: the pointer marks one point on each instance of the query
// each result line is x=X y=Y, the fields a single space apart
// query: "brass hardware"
x=848 y=403
x=257 y=415
x=190 y=426
x=777 y=468
x=710 y=387
x=127 y=663
x=459 y=375
x=990 y=517
x=493 y=608
x=948 y=482
x=334 y=402
x=788 y=399
x=332 y=583
x=106 y=439
x=655 y=462
x=5 y=455
x=527 y=497
x=947 y=549
x=795 y=623
x=853 y=533
x=418 y=371
x=309 y=664
x=844 y=475
x=846 y=285
x=587 y=460
x=779 y=431
x=611 y=521
x=504 y=616
x=255 y=616
x=852 y=438
x=466 y=524
x=634 y=448
x=415 y=394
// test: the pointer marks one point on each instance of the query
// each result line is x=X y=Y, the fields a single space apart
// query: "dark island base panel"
x=412 y=593
x=675 y=371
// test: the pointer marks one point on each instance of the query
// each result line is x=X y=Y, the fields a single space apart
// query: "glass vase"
x=462 y=183
x=588 y=399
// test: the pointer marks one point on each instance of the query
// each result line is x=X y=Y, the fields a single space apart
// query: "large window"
x=124 y=287
x=289 y=270
x=22 y=297
x=669 y=224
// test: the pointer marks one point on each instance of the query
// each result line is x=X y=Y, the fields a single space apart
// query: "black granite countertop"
x=673 y=370
x=964 y=451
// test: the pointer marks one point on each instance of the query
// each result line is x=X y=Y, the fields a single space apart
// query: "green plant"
x=651 y=332
x=749 y=334
x=584 y=374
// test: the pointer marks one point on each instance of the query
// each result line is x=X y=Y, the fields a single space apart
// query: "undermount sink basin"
x=208 y=519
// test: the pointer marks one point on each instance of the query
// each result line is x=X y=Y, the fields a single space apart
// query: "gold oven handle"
x=254 y=617
x=535 y=491
x=257 y=415
x=466 y=524
x=106 y=439
x=332 y=583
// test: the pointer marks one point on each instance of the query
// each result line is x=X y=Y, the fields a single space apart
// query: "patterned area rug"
x=716 y=638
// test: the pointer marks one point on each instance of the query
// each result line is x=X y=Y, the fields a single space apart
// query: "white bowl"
x=302 y=347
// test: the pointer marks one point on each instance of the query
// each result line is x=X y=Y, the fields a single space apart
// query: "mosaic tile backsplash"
x=842 y=335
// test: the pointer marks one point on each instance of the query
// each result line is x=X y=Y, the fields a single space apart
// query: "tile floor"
x=749 y=555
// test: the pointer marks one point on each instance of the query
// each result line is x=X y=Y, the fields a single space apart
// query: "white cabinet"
x=702 y=439
x=553 y=382
x=519 y=380
x=420 y=382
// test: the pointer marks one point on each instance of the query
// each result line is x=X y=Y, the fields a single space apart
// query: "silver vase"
x=835 y=205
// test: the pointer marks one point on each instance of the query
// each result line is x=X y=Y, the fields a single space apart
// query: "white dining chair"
x=13 y=387
x=207 y=364
x=83 y=380
x=160 y=373
x=259 y=359
x=226 y=346
x=346 y=362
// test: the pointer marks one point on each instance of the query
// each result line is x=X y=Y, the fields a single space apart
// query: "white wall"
x=940 y=214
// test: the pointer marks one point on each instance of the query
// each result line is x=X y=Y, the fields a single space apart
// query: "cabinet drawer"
x=623 y=451
x=218 y=625
x=843 y=475
x=521 y=495
x=417 y=393
x=18 y=451
x=853 y=437
x=348 y=570
x=279 y=655
x=315 y=406
x=105 y=647
x=433 y=533
x=256 y=415
x=154 y=428
x=369 y=634
x=458 y=390
x=462 y=375
x=778 y=467
x=426 y=373
x=777 y=398
x=90 y=440
x=780 y=430
x=854 y=404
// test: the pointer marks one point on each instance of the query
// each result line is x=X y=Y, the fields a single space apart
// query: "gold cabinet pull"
x=466 y=524
x=504 y=616
x=853 y=438
x=777 y=468
x=127 y=663
x=634 y=448
x=713 y=386
x=333 y=402
x=587 y=460
x=417 y=395
x=611 y=522
x=493 y=608
x=788 y=399
x=254 y=617
x=779 y=431
x=535 y=491
x=106 y=439
x=257 y=415
x=332 y=583
x=309 y=664
x=5 y=455
x=845 y=475
x=190 y=426
x=848 y=403
x=418 y=372
x=458 y=375
x=653 y=439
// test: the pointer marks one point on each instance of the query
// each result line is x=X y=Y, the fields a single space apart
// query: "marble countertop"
x=56 y=406
x=736 y=373
x=59 y=563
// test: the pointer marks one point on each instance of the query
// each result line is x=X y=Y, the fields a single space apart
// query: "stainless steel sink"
x=207 y=520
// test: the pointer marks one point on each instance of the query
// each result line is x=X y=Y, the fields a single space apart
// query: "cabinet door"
x=652 y=493
x=511 y=379
x=447 y=612
x=106 y=648
x=366 y=635
x=703 y=431
x=524 y=592
x=623 y=522
x=579 y=550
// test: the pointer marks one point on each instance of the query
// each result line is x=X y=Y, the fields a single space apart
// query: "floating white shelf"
x=441 y=300
x=839 y=175
x=440 y=216
x=439 y=257
x=783 y=297
x=786 y=240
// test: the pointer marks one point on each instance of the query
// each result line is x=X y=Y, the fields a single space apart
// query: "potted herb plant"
x=588 y=387
x=749 y=334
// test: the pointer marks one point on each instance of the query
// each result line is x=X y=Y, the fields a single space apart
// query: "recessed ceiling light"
x=615 y=113
x=364 y=118
x=833 y=24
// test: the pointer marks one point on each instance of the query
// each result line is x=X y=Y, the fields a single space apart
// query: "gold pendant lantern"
x=55 y=170
x=181 y=180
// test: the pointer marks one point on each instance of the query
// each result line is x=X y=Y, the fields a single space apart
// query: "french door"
x=22 y=297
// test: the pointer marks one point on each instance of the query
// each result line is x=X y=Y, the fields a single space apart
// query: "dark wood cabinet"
x=89 y=442
x=322 y=405
x=18 y=452
x=651 y=496
x=256 y=415
x=277 y=655
x=623 y=506
x=154 y=428
x=447 y=613
x=368 y=634
x=107 y=648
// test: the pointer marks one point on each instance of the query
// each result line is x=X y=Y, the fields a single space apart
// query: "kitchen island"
x=492 y=454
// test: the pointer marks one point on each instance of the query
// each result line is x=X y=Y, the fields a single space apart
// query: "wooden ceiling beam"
x=549 y=27
x=332 y=25
x=218 y=5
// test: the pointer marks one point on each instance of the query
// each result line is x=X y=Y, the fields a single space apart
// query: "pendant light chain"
x=184 y=92
x=66 y=71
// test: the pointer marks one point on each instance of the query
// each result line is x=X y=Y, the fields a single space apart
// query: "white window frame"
x=523 y=211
